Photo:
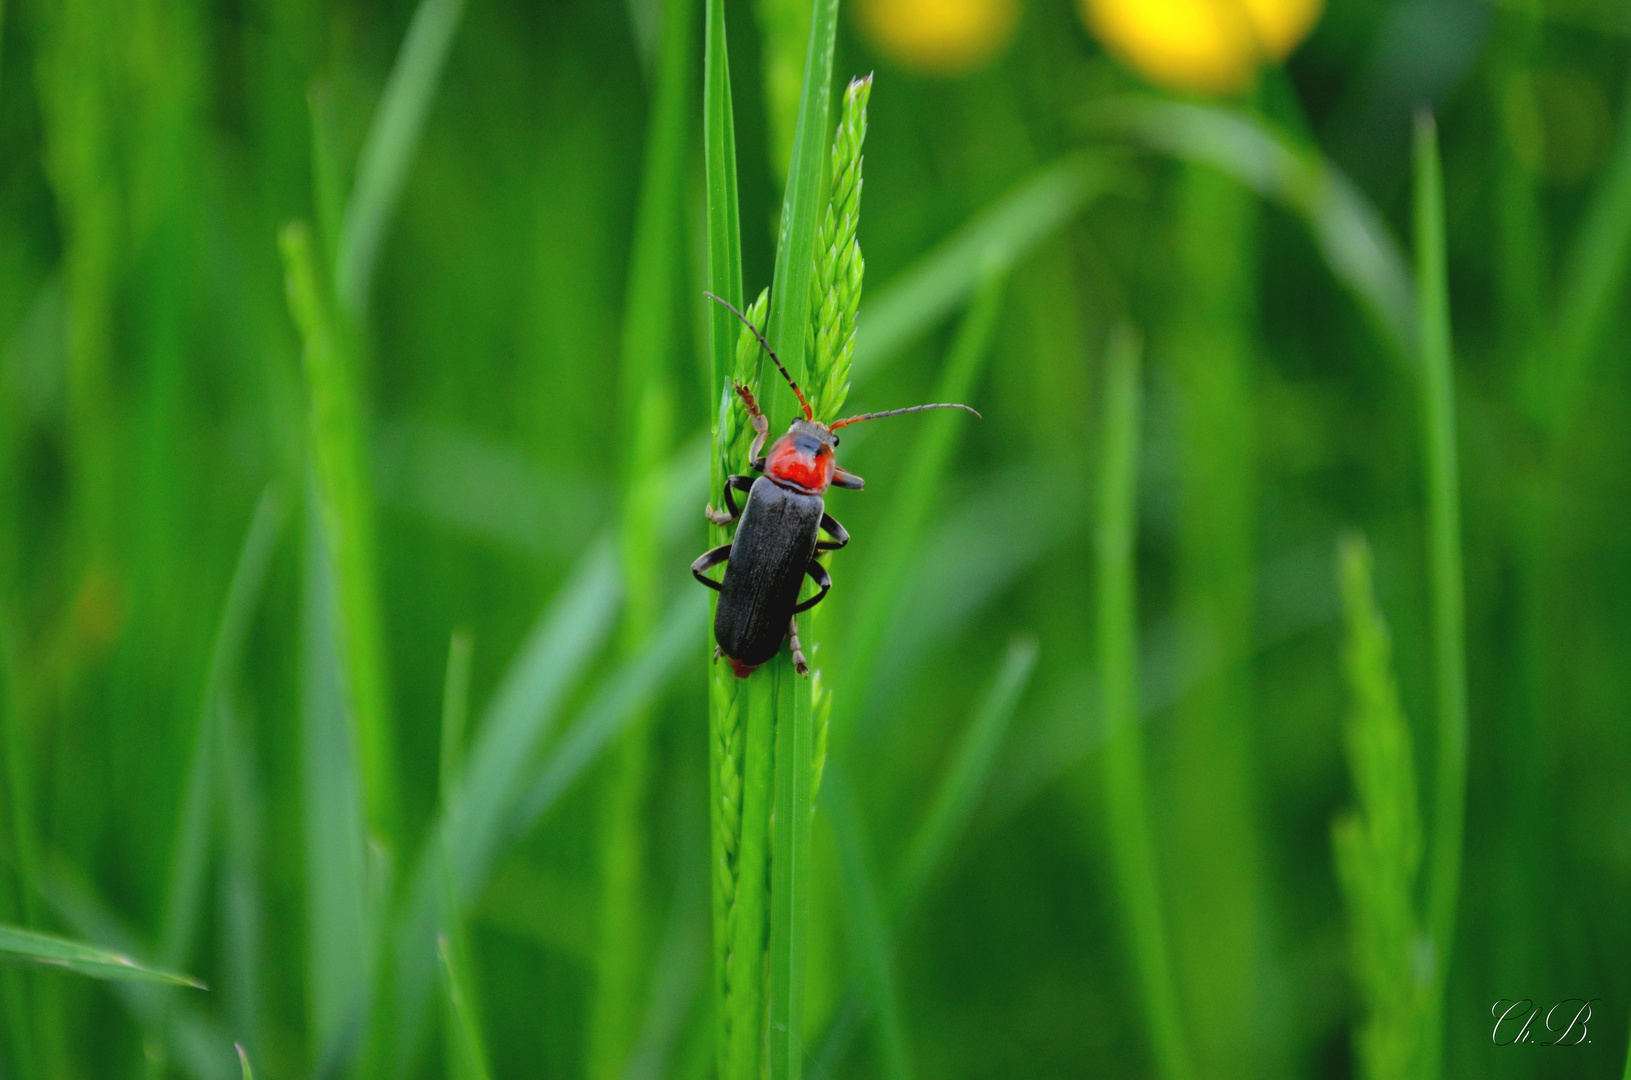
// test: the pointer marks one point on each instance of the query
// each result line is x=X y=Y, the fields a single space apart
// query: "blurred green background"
x=180 y=780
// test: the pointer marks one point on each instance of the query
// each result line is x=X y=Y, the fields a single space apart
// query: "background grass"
x=244 y=503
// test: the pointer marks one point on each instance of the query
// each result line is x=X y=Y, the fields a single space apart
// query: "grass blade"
x=164 y=1010
x=466 y=1054
x=336 y=840
x=920 y=485
x=1593 y=279
x=184 y=896
x=1001 y=235
x=344 y=501
x=1445 y=574
x=1350 y=233
x=626 y=693
x=724 y=702
x=958 y=793
x=522 y=713
x=646 y=410
x=749 y=932
x=1131 y=850
x=794 y=734
x=387 y=152
x=943 y=826
x=243 y=1060
x=869 y=931
x=30 y=946
x=467 y=1060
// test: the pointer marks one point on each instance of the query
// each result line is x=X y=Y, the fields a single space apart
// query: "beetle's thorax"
x=803 y=458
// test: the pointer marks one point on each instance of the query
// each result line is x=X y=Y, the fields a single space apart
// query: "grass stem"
x=1445 y=572
x=1131 y=851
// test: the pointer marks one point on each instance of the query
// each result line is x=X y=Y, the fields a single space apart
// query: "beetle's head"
x=803 y=458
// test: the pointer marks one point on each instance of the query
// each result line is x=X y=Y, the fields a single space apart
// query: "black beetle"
x=778 y=541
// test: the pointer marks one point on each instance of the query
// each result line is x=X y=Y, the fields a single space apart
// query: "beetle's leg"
x=710 y=558
x=840 y=536
x=761 y=428
x=740 y=483
x=843 y=478
x=818 y=574
x=799 y=664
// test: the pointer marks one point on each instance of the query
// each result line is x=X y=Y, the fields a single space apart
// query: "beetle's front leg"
x=761 y=428
x=799 y=664
x=740 y=483
x=840 y=535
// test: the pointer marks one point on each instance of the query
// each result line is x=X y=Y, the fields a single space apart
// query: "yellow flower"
x=941 y=37
x=1213 y=46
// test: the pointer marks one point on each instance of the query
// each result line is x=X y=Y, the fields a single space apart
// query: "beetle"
x=778 y=538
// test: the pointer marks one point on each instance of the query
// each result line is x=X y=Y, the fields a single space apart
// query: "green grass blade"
x=1445 y=581
x=1003 y=234
x=794 y=735
x=724 y=280
x=801 y=208
x=749 y=930
x=958 y=793
x=626 y=693
x=168 y=1013
x=920 y=485
x=243 y=1060
x=942 y=827
x=185 y=894
x=466 y=1053
x=31 y=947
x=467 y=1058
x=1351 y=235
x=335 y=832
x=646 y=410
x=242 y=937
x=724 y=216
x=1593 y=281
x=345 y=503
x=524 y=710
x=519 y=718
x=455 y=710
x=388 y=150
x=1132 y=854
x=869 y=934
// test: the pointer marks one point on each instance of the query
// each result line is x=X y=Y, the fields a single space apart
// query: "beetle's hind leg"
x=708 y=560
x=799 y=664
x=740 y=483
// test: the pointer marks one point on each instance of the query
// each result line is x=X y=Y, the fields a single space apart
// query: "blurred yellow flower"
x=1213 y=46
x=942 y=37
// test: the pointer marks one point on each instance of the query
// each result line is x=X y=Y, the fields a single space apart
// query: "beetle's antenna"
x=893 y=412
x=805 y=405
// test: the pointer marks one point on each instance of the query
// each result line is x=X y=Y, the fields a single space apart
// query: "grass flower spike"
x=835 y=288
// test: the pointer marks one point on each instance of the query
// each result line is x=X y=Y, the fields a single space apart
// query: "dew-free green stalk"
x=1441 y=474
x=1132 y=854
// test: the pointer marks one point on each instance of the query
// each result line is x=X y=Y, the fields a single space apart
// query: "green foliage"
x=486 y=390
x=48 y=950
x=1441 y=474
x=1133 y=859
x=1378 y=845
